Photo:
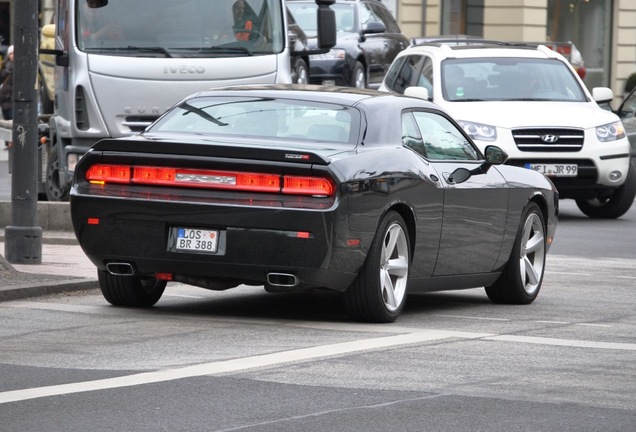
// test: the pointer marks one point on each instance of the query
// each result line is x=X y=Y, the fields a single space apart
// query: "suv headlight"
x=478 y=131
x=333 y=54
x=610 y=132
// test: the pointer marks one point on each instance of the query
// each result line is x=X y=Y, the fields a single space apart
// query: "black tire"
x=130 y=291
x=300 y=74
x=359 y=76
x=55 y=191
x=379 y=292
x=521 y=279
x=615 y=205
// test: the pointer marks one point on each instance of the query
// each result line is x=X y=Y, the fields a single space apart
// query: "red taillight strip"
x=209 y=179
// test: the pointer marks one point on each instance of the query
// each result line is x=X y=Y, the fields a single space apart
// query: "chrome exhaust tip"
x=120 y=269
x=282 y=279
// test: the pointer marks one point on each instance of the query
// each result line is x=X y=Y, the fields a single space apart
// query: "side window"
x=442 y=139
x=426 y=77
x=416 y=71
x=394 y=72
x=385 y=16
x=411 y=137
x=367 y=16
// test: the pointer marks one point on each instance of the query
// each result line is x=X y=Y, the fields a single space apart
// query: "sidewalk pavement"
x=64 y=268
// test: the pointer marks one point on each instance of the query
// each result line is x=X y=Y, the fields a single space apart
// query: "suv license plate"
x=555 y=170
x=197 y=240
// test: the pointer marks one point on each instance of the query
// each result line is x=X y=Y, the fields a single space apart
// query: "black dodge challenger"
x=370 y=194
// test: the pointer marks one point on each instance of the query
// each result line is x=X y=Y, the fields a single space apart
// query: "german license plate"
x=197 y=240
x=555 y=170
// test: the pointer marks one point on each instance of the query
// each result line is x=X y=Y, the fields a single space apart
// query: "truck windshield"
x=180 y=28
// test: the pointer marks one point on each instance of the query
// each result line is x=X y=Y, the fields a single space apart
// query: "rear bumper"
x=253 y=242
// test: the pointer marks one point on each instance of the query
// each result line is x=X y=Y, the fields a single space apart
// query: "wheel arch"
x=539 y=200
x=408 y=215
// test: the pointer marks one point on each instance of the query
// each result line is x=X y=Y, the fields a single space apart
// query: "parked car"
x=627 y=113
x=529 y=101
x=368 y=40
x=298 y=43
x=306 y=187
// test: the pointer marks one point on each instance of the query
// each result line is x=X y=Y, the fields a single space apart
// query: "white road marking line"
x=552 y=322
x=567 y=273
x=471 y=317
x=409 y=336
x=564 y=342
x=227 y=366
x=593 y=325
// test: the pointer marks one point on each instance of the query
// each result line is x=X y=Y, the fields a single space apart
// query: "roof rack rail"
x=456 y=40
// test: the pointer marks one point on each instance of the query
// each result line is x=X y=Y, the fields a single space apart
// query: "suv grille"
x=549 y=139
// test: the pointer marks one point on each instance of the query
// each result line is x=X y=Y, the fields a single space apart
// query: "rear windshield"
x=506 y=79
x=262 y=117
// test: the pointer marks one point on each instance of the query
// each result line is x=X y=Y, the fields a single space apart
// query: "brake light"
x=209 y=179
x=307 y=186
x=99 y=174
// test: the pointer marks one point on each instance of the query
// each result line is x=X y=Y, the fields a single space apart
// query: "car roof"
x=475 y=48
x=329 y=94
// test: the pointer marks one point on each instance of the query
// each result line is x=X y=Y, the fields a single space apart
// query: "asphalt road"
x=246 y=360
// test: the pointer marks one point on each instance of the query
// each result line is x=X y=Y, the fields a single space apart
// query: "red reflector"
x=302 y=234
x=92 y=221
x=353 y=242
x=163 y=276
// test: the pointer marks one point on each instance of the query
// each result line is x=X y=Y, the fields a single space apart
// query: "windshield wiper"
x=151 y=49
x=222 y=49
x=129 y=48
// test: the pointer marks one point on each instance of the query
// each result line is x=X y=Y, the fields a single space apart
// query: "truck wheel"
x=301 y=72
x=379 y=292
x=54 y=190
x=132 y=291
x=615 y=205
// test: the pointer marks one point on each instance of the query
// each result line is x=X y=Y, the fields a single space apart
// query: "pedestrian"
x=6 y=89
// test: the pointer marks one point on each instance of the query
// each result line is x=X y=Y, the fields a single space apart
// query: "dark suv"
x=368 y=40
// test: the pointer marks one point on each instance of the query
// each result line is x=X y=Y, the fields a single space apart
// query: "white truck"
x=119 y=64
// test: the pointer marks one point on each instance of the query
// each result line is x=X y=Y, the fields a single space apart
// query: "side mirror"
x=495 y=155
x=602 y=94
x=374 y=27
x=94 y=4
x=417 y=92
x=326 y=25
x=460 y=175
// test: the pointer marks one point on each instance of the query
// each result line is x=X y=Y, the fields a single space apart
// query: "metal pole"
x=23 y=239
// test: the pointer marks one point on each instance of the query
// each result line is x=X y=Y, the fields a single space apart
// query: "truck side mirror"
x=326 y=25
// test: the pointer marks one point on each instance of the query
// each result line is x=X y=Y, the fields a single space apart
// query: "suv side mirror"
x=374 y=27
x=417 y=92
x=602 y=94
